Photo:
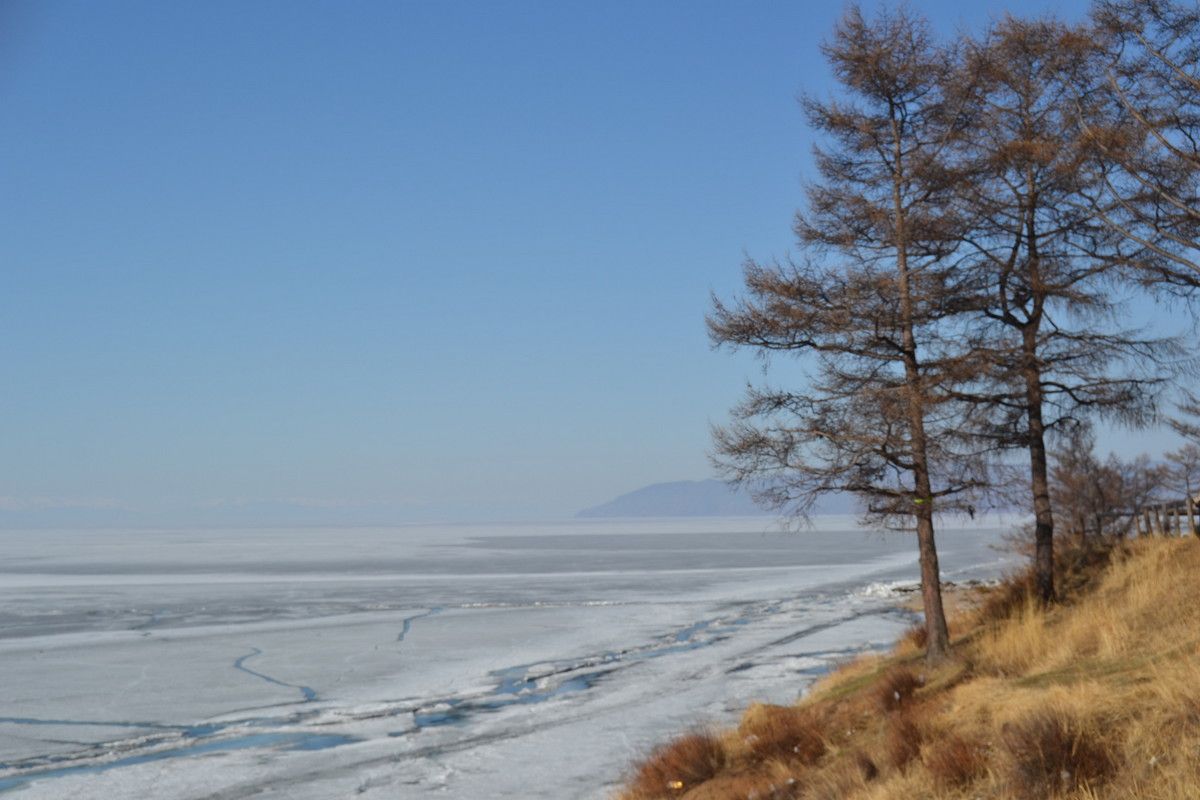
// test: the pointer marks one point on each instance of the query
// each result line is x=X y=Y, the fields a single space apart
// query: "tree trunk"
x=1043 y=521
x=1039 y=474
x=1039 y=469
x=937 y=636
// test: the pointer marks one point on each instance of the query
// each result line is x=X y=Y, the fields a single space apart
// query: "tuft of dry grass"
x=953 y=761
x=914 y=639
x=677 y=766
x=747 y=786
x=842 y=781
x=1096 y=697
x=905 y=735
x=1053 y=753
x=1002 y=602
x=783 y=733
x=895 y=688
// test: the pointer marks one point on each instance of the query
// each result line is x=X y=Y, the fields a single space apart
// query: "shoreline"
x=957 y=596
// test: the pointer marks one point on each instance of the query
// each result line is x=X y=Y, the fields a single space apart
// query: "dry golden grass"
x=953 y=761
x=781 y=732
x=905 y=736
x=1095 y=698
x=895 y=688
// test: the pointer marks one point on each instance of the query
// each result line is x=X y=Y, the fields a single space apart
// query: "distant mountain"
x=711 y=498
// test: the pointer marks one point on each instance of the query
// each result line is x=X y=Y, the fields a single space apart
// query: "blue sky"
x=451 y=258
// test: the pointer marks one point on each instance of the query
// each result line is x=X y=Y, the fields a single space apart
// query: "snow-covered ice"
x=499 y=661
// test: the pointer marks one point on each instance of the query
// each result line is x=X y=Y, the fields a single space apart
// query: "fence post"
x=1191 y=509
x=1146 y=519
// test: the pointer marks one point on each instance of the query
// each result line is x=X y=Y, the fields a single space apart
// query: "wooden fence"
x=1168 y=519
x=1172 y=518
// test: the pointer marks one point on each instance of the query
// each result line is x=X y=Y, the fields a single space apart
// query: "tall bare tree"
x=1051 y=273
x=869 y=308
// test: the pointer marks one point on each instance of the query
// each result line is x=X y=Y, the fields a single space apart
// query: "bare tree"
x=870 y=308
x=1079 y=484
x=1100 y=497
x=1182 y=478
x=1152 y=171
x=1051 y=273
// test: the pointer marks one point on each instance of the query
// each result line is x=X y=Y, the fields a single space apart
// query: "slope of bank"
x=1095 y=698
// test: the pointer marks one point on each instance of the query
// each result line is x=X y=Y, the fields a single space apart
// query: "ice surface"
x=530 y=661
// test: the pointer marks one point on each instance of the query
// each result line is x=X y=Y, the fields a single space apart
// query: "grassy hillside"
x=1097 y=697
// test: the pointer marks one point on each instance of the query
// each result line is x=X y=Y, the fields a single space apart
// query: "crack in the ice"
x=522 y=684
x=309 y=693
x=286 y=741
x=515 y=688
x=687 y=633
x=407 y=622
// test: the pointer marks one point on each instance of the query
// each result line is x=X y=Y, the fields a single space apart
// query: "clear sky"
x=451 y=258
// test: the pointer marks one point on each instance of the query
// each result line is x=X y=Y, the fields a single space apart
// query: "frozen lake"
x=499 y=661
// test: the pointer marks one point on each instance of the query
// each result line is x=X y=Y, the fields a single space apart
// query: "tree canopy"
x=980 y=218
